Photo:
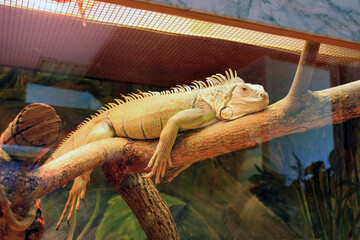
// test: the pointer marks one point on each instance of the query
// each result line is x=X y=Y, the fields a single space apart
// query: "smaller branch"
x=305 y=70
x=302 y=79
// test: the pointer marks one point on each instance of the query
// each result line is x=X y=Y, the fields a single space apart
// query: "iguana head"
x=243 y=99
x=230 y=97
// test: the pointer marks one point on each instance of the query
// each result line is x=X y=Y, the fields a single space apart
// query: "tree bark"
x=31 y=134
x=145 y=201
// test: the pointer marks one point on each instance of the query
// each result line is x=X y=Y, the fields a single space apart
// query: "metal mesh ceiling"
x=134 y=45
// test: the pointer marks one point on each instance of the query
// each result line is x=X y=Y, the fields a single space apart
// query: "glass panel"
x=276 y=174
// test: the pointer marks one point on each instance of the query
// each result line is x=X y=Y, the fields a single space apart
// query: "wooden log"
x=31 y=134
x=27 y=138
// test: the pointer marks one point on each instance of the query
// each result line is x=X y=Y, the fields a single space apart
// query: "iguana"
x=151 y=115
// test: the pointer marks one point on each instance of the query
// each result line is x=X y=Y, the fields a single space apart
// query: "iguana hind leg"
x=99 y=131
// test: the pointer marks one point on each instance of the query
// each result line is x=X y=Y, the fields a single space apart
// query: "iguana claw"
x=76 y=194
x=157 y=164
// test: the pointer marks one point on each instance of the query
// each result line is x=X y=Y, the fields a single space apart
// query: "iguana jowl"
x=162 y=115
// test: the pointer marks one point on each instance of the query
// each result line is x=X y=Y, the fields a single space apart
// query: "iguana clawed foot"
x=76 y=194
x=158 y=163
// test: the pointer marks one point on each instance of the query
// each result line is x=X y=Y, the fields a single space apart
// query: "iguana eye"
x=244 y=88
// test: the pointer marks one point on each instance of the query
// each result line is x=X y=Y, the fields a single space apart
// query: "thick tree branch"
x=330 y=106
x=145 y=201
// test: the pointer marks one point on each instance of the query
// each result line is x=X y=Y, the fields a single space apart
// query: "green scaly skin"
x=163 y=115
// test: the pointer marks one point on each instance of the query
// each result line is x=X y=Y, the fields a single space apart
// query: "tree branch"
x=305 y=70
x=330 y=106
x=145 y=201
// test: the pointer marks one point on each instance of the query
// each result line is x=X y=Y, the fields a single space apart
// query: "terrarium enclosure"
x=287 y=172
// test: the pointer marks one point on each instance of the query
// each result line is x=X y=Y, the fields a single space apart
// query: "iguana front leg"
x=100 y=130
x=186 y=119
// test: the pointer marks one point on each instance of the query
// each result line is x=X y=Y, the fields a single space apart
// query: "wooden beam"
x=230 y=21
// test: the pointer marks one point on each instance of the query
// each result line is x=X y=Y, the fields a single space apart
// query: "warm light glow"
x=116 y=14
x=108 y=13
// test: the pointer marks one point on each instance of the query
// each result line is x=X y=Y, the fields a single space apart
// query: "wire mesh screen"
x=113 y=42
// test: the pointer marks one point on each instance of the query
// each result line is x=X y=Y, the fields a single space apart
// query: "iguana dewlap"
x=162 y=115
